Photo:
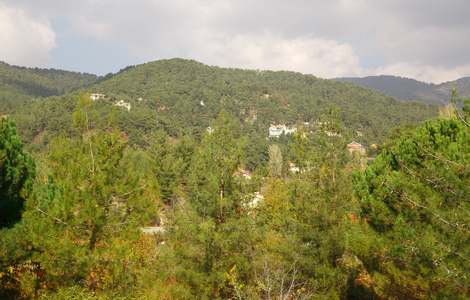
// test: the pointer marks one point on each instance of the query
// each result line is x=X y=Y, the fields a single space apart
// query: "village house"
x=293 y=168
x=97 y=96
x=123 y=104
x=331 y=133
x=245 y=173
x=354 y=146
x=277 y=130
x=256 y=200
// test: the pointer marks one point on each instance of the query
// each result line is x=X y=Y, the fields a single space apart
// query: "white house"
x=332 y=133
x=245 y=173
x=97 y=96
x=277 y=130
x=123 y=104
x=254 y=201
x=293 y=168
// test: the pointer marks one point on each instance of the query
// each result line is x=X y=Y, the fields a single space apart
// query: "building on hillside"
x=123 y=104
x=245 y=173
x=332 y=133
x=254 y=201
x=97 y=96
x=277 y=130
x=354 y=146
x=293 y=168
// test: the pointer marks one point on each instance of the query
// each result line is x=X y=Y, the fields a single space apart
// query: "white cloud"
x=425 y=73
x=24 y=41
x=269 y=51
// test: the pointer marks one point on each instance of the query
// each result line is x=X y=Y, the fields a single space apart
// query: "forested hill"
x=187 y=94
x=183 y=97
x=411 y=89
x=40 y=82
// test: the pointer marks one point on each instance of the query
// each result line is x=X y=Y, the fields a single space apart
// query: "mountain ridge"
x=409 y=89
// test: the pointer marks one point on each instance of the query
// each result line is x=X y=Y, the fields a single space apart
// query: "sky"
x=427 y=40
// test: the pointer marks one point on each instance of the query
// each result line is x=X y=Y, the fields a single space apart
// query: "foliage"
x=415 y=200
x=208 y=234
x=17 y=171
x=41 y=82
x=170 y=161
x=275 y=161
x=88 y=214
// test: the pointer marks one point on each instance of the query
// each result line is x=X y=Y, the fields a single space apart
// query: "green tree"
x=208 y=232
x=163 y=163
x=275 y=161
x=416 y=202
x=216 y=164
x=85 y=218
x=17 y=171
x=321 y=201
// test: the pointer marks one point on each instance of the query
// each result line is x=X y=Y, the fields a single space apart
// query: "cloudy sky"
x=428 y=40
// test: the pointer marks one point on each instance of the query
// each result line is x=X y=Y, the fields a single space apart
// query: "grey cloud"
x=421 y=33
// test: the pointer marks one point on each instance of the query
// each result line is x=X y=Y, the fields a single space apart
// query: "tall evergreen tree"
x=321 y=199
x=415 y=201
x=219 y=159
x=209 y=233
x=17 y=171
x=89 y=214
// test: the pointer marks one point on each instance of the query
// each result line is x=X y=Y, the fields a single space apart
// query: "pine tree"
x=210 y=231
x=85 y=218
x=415 y=201
x=321 y=201
x=219 y=159
x=17 y=171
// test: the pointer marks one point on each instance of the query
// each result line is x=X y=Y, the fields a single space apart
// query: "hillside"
x=192 y=93
x=411 y=89
x=183 y=97
x=41 y=82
